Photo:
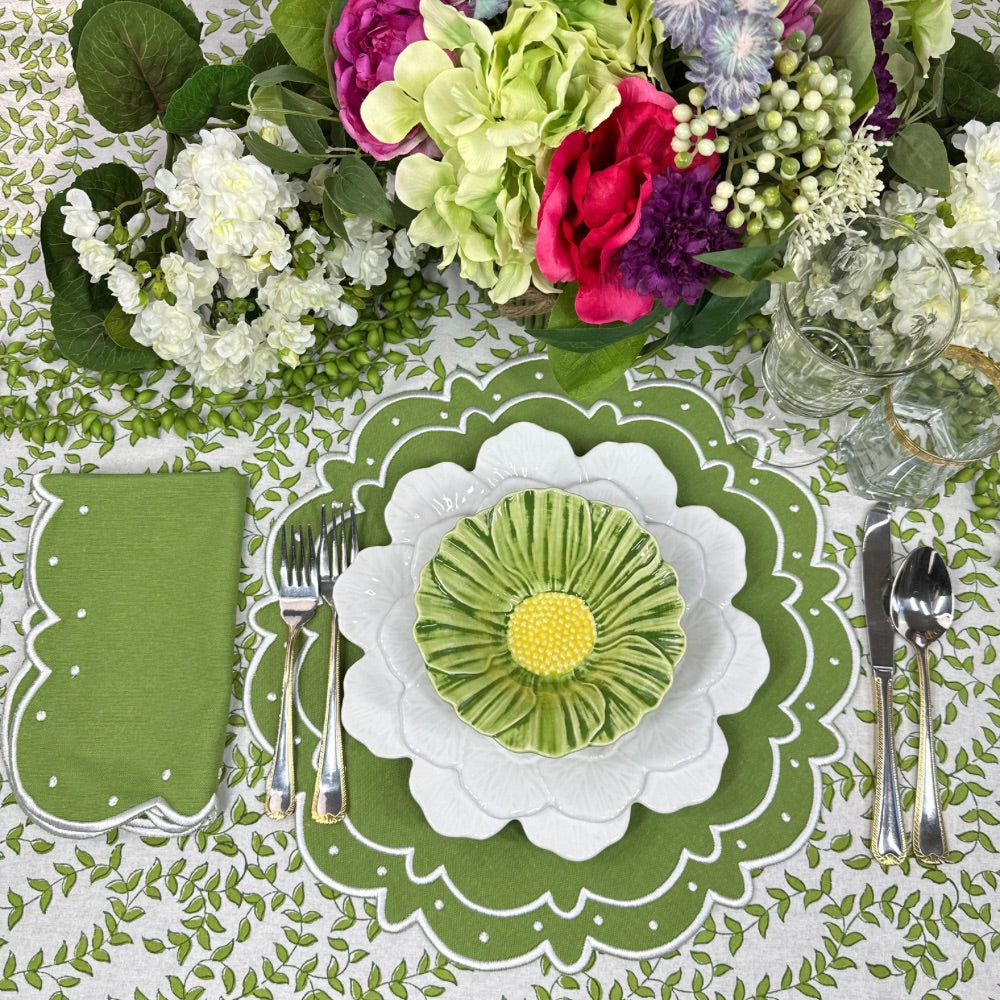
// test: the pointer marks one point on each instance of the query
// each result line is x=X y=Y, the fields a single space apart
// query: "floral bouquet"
x=619 y=174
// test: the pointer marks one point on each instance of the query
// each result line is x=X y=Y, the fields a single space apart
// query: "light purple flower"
x=677 y=223
x=685 y=21
x=369 y=36
x=736 y=53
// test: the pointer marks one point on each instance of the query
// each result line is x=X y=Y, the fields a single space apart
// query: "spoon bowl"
x=921 y=608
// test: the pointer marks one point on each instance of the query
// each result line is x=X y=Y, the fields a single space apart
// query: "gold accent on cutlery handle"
x=329 y=804
x=888 y=839
x=929 y=843
x=279 y=795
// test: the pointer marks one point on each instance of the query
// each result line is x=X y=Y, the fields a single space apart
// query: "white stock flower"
x=79 y=218
x=176 y=333
x=289 y=337
x=191 y=281
x=96 y=257
x=125 y=284
x=406 y=256
x=365 y=256
x=238 y=281
x=981 y=145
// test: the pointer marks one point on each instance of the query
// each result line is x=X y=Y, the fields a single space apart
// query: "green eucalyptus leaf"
x=277 y=158
x=177 y=9
x=300 y=115
x=118 y=325
x=131 y=59
x=332 y=215
x=721 y=317
x=585 y=376
x=918 y=155
x=109 y=185
x=301 y=25
x=583 y=338
x=210 y=93
x=265 y=53
x=965 y=99
x=79 y=312
x=846 y=29
x=286 y=73
x=969 y=57
x=744 y=262
x=866 y=97
x=357 y=189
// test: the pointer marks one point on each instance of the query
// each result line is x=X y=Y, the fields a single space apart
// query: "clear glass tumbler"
x=930 y=424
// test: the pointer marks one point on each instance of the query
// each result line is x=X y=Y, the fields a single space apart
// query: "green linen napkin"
x=131 y=665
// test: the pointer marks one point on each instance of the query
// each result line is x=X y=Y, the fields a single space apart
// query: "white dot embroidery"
x=395 y=421
x=272 y=696
x=484 y=937
x=814 y=612
x=84 y=509
x=796 y=554
x=811 y=706
x=598 y=920
x=53 y=560
x=741 y=844
x=166 y=775
x=637 y=404
x=297 y=740
x=438 y=904
x=692 y=886
x=794 y=508
x=369 y=461
x=794 y=763
x=497 y=397
x=834 y=661
x=40 y=716
x=382 y=870
x=334 y=851
x=685 y=406
x=754 y=481
x=653 y=925
x=537 y=925
x=81 y=613
x=785 y=818
x=113 y=801
x=713 y=443
x=539 y=376
x=53 y=781
x=444 y=414
x=74 y=670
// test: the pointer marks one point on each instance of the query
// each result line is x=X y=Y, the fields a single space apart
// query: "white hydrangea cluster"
x=966 y=227
x=251 y=281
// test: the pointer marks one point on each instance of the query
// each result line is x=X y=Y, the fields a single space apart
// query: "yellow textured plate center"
x=551 y=633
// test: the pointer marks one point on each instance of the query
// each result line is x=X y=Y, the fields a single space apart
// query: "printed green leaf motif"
x=357 y=190
x=131 y=59
x=210 y=93
x=79 y=312
x=177 y=9
x=919 y=156
x=301 y=26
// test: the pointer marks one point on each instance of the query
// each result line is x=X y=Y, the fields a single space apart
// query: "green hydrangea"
x=497 y=105
x=926 y=25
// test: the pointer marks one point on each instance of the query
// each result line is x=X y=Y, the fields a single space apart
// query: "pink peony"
x=798 y=15
x=594 y=192
x=368 y=38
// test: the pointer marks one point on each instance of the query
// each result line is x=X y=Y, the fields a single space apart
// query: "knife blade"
x=888 y=841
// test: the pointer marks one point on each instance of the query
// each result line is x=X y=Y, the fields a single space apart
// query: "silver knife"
x=888 y=839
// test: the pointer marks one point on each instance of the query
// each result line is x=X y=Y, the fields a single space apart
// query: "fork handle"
x=329 y=803
x=279 y=796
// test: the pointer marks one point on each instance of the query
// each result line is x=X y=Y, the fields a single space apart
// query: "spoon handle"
x=928 y=830
x=888 y=839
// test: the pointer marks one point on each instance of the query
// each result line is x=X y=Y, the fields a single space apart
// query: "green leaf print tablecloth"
x=641 y=895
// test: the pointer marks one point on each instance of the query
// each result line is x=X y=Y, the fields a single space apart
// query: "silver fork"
x=338 y=544
x=298 y=598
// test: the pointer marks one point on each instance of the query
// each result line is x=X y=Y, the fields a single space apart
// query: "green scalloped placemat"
x=644 y=893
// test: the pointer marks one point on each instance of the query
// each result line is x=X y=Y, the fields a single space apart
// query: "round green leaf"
x=130 y=60
x=79 y=312
x=118 y=325
x=266 y=53
x=108 y=185
x=177 y=9
x=210 y=93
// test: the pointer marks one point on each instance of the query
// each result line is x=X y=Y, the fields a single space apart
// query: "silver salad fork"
x=338 y=544
x=298 y=597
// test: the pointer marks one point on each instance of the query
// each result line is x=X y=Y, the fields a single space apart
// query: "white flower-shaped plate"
x=466 y=783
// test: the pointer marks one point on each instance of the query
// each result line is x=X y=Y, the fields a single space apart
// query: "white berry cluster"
x=250 y=274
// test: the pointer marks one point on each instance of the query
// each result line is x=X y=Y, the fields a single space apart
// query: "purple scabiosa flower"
x=798 y=15
x=880 y=121
x=677 y=223
x=685 y=21
x=736 y=53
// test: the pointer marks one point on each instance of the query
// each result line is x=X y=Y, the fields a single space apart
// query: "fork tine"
x=324 y=544
x=312 y=572
x=283 y=565
x=354 y=533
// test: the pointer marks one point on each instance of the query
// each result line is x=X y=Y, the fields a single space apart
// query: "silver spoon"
x=921 y=612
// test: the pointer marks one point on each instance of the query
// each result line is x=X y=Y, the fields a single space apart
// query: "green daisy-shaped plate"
x=550 y=622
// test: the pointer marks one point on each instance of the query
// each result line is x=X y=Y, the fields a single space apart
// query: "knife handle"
x=888 y=839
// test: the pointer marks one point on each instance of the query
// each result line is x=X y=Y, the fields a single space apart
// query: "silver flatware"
x=338 y=544
x=888 y=840
x=298 y=597
x=922 y=611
